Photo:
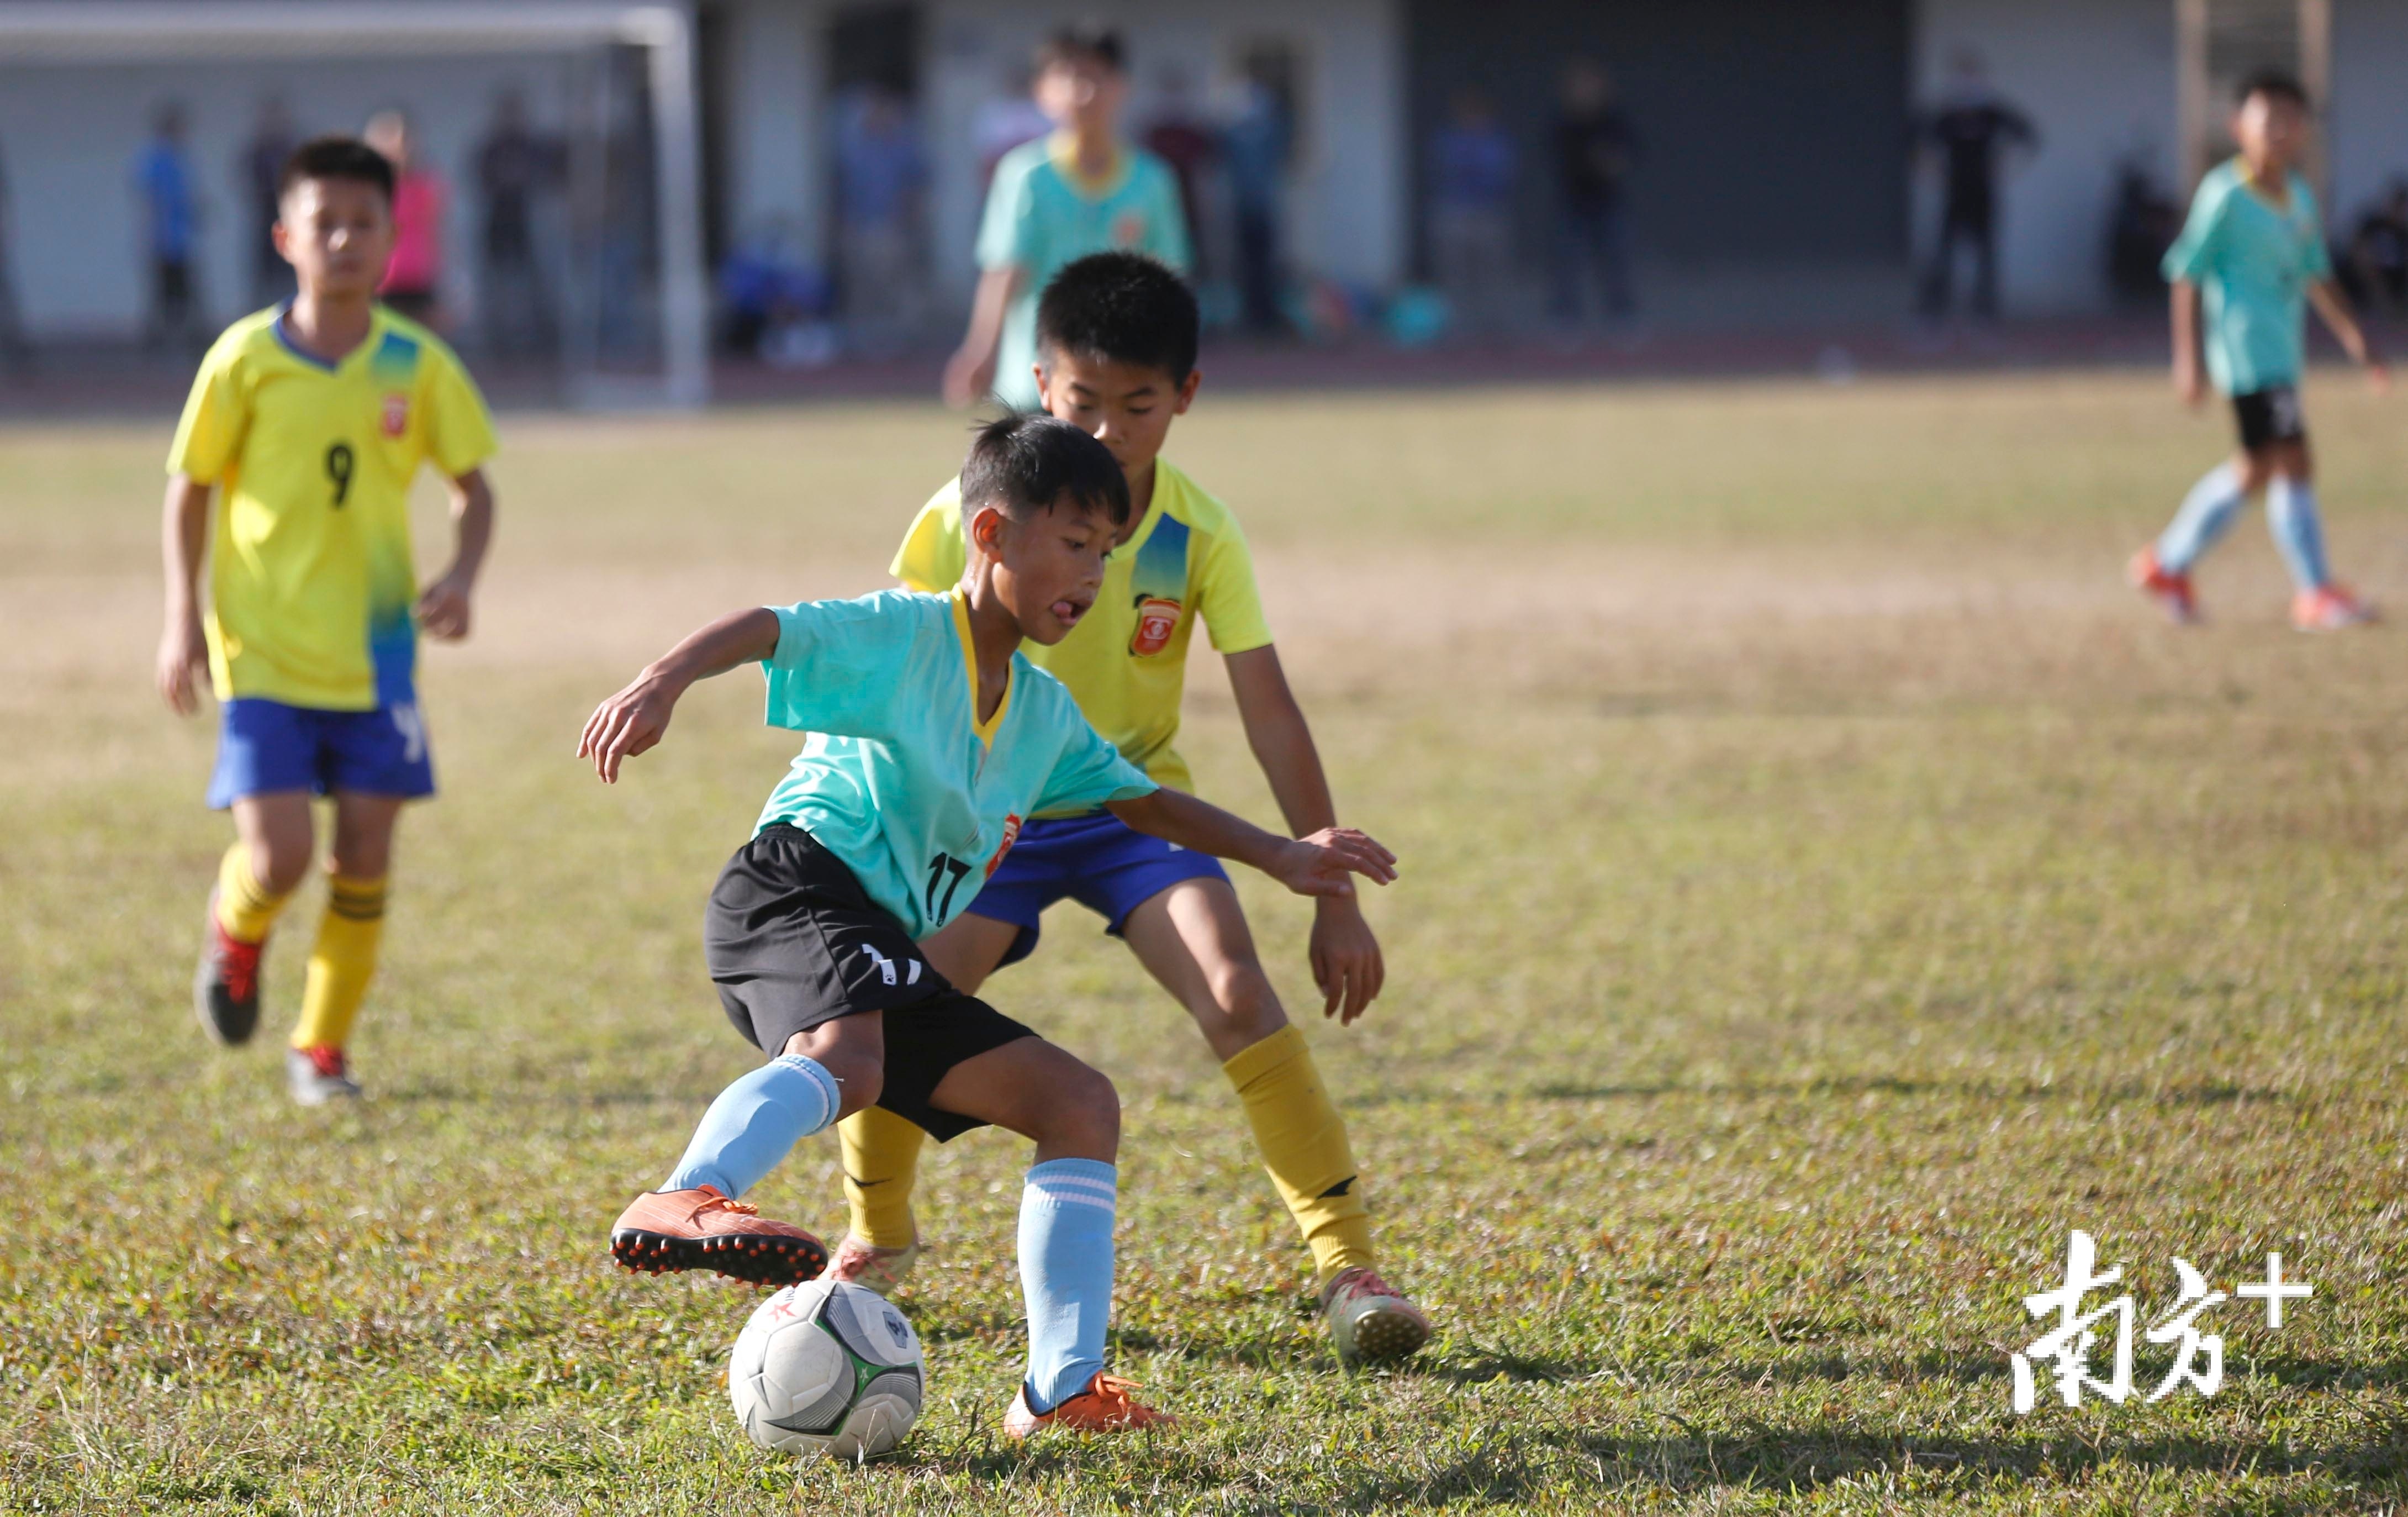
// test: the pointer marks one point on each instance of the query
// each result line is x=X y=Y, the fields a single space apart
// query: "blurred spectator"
x=259 y=169
x=514 y=167
x=1595 y=147
x=1970 y=130
x=413 y=281
x=1180 y=137
x=881 y=178
x=2376 y=261
x=2147 y=221
x=163 y=181
x=1473 y=165
x=1083 y=190
x=1255 y=147
x=13 y=349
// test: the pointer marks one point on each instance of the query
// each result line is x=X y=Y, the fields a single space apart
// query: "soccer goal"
x=625 y=294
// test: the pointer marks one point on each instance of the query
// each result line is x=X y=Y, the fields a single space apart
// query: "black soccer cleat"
x=225 y=986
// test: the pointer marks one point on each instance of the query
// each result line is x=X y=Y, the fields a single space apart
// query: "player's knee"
x=860 y=1078
x=279 y=864
x=1085 y=1115
x=1243 y=1001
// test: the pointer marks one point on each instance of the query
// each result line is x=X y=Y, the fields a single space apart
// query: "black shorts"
x=794 y=941
x=2270 y=415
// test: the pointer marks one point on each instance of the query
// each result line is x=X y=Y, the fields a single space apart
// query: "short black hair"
x=1090 y=43
x=336 y=158
x=1027 y=462
x=2273 y=84
x=1121 y=306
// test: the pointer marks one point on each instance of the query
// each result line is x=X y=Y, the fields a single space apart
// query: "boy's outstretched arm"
x=2190 y=379
x=183 y=528
x=1346 y=960
x=2333 y=306
x=443 y=606
x=633 y=720
x=1315 y=865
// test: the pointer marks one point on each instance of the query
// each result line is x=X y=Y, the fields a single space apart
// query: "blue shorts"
x=1099 y=861
x=265 y=746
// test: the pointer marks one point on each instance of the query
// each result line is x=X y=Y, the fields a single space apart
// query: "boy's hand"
x=1346 y=962
x=2378 y=376
x=629 y=723
x=968 y=376
x=1320 y=864
x=2190 y=384
x=443 y=608
x=182 y=650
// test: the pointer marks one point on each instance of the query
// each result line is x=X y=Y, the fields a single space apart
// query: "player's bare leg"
x=1073 y=1114
x=1193 y=938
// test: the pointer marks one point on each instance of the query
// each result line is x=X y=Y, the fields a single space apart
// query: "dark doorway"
x=1773 y=130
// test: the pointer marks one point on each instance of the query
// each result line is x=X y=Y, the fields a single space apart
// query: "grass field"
x=1824 y=886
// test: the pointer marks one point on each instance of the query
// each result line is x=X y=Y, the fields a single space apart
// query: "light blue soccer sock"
x=2206 y=514
x=754 y=1122
x=1065 y=1274
x=2299 y=535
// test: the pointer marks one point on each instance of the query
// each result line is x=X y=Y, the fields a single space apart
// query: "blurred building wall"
x=2097 y=77
x=69 y=133
x=2368 y=118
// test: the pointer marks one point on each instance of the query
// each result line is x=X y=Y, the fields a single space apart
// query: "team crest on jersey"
x=1010 y=836
x=397 y=414
x=1156 y=619
x=1128 y=229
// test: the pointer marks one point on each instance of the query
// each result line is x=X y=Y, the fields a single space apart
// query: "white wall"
x=2097 y=77
x=2368 y=121
x=777 y=162
x=69 y=133
x=1348 y=198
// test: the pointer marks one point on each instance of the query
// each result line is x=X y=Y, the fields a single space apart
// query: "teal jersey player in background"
x=932 y=736
x=2250 y=261
x=1054 y=202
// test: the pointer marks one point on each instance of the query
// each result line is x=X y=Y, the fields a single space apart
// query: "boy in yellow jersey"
x=1116 y=337
x=312 y=419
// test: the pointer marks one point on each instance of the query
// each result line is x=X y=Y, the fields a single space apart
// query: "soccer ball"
x=827 y=1368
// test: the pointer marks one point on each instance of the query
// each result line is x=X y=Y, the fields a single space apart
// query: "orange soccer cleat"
x=1104 y=1407
x=2170 y=591
x=701 y=1229
x=2329 y=608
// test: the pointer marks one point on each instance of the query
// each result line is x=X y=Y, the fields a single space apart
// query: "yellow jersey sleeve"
x=1226 y=596
x=459 y=429
x=932 y=556
x=217 y=416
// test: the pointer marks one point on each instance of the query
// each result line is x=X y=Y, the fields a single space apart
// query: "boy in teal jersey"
x=2253 y=256
x=1118 y=335
x=932 y=738
x=1052 y=201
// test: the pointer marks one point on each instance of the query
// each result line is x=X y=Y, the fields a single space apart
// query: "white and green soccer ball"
x=827 y=1368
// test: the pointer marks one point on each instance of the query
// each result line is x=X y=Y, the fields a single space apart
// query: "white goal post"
x=173 y=31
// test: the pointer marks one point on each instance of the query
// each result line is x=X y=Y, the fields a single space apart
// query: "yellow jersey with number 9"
x=310 y=579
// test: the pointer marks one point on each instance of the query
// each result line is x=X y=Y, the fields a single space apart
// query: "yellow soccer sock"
x=246 y=908
x=881 y=1158
x=341 y=963
x=1303 y=1143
